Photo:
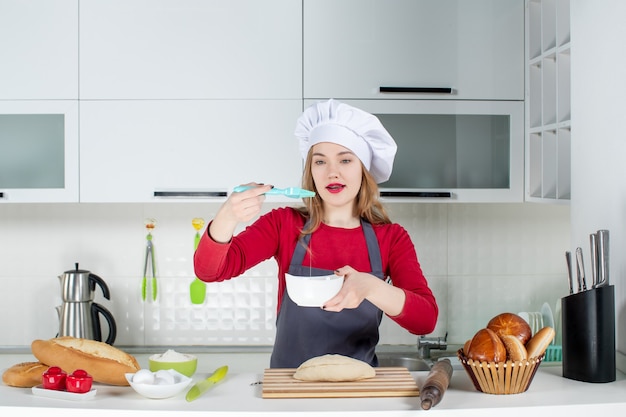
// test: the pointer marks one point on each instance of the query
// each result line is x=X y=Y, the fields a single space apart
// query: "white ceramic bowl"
x=308 y=291
x=156 y=391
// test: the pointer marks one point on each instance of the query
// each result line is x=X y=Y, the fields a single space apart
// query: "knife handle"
x=570 y=280
x=580 y=270
x=593 y=243
x=603 y=257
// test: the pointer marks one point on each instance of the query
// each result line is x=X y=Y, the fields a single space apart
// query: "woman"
x=343 y=230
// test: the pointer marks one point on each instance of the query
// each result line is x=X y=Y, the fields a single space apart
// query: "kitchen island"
x=240 y=395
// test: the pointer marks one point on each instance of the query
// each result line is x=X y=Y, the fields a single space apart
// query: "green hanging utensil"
x=150 y=225
x=197 y=289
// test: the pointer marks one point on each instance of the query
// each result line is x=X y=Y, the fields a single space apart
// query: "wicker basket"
x=501 y=378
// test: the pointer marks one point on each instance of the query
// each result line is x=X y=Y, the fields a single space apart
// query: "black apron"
x=306 y=332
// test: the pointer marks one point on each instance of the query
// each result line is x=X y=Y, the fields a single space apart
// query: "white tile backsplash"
x=479 y=259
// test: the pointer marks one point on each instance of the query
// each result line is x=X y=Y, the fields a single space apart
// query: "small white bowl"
x=310 y=291
x=161 y=391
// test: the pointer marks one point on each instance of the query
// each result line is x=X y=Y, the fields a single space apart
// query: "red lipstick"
x=335 y=188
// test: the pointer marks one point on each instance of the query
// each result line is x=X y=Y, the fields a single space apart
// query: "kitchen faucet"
x=425 y=344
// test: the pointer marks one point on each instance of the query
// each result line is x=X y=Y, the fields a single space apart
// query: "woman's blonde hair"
x=368 y=205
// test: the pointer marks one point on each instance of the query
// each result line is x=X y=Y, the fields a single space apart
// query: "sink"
x=405 y=360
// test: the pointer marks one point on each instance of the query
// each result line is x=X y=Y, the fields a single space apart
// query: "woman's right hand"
x=238 y=207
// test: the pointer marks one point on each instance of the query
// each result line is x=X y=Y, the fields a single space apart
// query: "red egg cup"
x=54 y=379
x=78 y=382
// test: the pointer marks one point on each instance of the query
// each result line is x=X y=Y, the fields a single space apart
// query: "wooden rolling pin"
x=436 y=384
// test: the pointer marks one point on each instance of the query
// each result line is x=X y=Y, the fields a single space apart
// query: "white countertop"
x=238 y=396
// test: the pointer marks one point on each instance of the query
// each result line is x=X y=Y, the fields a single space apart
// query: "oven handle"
x=421 y=194
x=190 y=194
x=437 y=90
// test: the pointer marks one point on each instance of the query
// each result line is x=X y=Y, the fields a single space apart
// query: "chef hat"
x=355 y=129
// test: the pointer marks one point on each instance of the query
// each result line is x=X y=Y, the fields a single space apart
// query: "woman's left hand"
x=355 y=289
x=359 y=286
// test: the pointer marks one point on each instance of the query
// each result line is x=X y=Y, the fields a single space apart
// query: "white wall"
x=598 y=138
x=480 y=260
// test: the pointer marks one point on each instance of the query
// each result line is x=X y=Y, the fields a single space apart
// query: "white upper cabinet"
x=354 y=47
x=149 y=150
x=453 y=151
x=193 y=49
x=38 y=49
x=38 y=151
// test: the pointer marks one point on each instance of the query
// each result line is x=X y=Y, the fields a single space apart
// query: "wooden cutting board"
x=388 y=382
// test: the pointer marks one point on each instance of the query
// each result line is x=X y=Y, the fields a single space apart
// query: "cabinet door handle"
x=438 y=90
x=1 y=195
x=190 y=194
x=422 y=194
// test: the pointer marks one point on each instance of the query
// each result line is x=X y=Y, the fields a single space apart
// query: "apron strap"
x=373 y=249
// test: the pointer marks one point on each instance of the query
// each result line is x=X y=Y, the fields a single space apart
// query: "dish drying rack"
x=538 y=319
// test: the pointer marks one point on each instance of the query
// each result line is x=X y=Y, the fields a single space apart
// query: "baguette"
x=24 y=375
x=105 y=363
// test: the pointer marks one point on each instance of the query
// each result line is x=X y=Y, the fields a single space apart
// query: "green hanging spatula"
x=197 y=289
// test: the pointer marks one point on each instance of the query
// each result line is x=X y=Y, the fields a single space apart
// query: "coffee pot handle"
x=96 y=311
x=94 y=279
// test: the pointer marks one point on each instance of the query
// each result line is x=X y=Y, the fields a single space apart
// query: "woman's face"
x=337 y=173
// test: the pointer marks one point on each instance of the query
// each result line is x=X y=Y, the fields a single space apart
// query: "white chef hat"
x=355 y=129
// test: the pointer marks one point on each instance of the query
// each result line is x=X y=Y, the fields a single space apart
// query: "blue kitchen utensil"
x=293 y=192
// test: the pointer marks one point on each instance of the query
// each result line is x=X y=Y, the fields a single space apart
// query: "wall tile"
x=512 y=239
x=427 y=226
x=479 y=259
x=474 y=300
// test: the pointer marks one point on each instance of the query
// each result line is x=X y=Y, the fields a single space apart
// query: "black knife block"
x=588 y=339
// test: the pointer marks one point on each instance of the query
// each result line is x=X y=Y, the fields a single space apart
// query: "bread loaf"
x=105 y=363
x=24 y=375
x=486 y=346
x=334 y=368
x=540 y=341
x=511 y=324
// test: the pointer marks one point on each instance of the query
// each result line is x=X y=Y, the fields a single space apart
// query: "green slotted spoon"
x=197 y=289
